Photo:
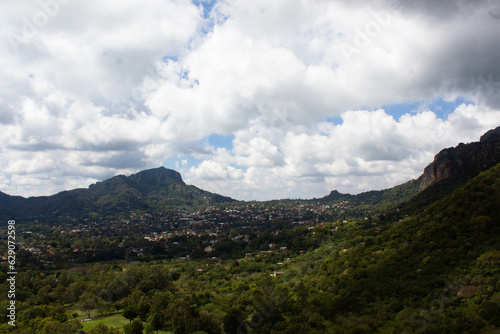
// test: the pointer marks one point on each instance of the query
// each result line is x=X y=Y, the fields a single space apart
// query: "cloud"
x=217 y=169
x=368 y=150
x=92 y=89
x=286 y=59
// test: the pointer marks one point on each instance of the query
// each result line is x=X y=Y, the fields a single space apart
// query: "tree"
x=103 y=329
x=143 y=307
x=234 y=323
x=76 y=289
x=209 y=323
x=179 y=314
x=135 y=327
x=68 y=327
x=88 y=302
x=490 y=311
x=130 y=312
x=481 y=222
x=156 y=322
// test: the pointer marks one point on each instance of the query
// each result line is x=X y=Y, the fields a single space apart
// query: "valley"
x=149 y=254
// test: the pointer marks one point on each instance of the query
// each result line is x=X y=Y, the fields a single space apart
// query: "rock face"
x=335 y=196
x=463 y=160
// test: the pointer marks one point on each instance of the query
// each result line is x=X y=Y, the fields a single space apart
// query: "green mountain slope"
x=451 y=168
x=378 y=200
x=158 y=188
x=435 y=272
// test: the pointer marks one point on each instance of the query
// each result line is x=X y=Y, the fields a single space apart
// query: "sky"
x=256 y=100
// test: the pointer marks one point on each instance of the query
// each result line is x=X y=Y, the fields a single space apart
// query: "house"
x=276 y=273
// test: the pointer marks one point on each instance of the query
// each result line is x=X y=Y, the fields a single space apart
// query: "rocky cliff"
x=465 y=160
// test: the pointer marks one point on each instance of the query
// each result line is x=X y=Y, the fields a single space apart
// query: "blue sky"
x=207 y=5
x=186 y=161
x=439 y=107
x=221 y=141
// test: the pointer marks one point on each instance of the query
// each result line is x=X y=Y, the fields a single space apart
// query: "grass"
x=115 y=320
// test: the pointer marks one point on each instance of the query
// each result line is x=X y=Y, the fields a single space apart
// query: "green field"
x=114 y=320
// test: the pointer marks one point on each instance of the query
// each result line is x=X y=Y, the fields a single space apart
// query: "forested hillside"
x=158 y=188
x=435 y=272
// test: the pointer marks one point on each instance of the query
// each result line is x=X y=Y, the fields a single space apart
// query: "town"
x=220 y=232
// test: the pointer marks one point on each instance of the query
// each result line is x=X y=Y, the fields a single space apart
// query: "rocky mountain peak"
x=490 y=135
x=463 y=160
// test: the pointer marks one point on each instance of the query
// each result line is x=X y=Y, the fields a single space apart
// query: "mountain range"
x=429 y=262
x=163 y=188
x=154 y=188
x=451 y=168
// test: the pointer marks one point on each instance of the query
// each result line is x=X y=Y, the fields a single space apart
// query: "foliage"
x=148 y=189
x=135 y=327
x=89 y=302
x=102 y=329
x=436 y=271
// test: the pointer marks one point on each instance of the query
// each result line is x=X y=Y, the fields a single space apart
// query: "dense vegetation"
x=436 y=271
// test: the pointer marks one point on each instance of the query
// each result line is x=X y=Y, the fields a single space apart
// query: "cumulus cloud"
x=96 y=88
x=367 y=150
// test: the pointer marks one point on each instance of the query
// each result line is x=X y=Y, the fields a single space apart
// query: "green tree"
x=234 y=323
x=76 y=289
x=490 y=312
x=68 y=327
x=143 y=307
x=135 y=327
x=156 y=322
x=130 y=312
x=88 y=302
x=209 y=323
x=103 y=329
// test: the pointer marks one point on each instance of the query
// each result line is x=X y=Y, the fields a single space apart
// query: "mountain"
x=162 y=188
x=451 y=168
x=464 y=160
x=158 y=188
x=384 y=199
x=437 y=271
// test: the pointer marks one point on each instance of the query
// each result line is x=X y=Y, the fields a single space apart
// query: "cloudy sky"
x=250 y=99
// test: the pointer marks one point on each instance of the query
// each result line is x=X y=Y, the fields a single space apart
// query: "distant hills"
x=451 y=168
x=163 y=188
x=436 y=271
x=159 y=188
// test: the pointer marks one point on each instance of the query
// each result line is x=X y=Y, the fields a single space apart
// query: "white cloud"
x=91 y=89
x=217 y=169
x=369 y=150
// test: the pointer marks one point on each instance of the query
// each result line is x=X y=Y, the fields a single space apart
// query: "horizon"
x=236 y=199
x=269 y=199
x=254 y=101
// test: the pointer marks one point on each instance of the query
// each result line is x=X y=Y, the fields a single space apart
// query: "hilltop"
x=428 y=264
x=162 y=188
x=158 y=188
x=451 y=168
